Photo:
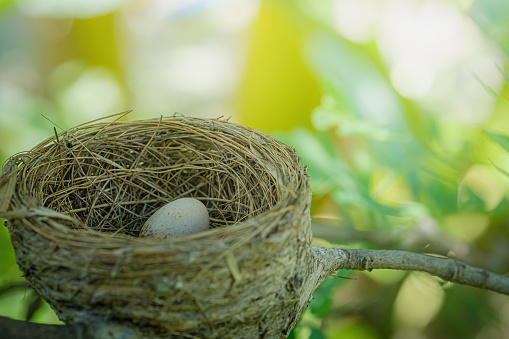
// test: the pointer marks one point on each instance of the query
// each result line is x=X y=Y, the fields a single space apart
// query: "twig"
x=445 y=268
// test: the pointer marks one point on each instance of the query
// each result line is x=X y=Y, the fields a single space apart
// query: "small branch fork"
x=447 y=269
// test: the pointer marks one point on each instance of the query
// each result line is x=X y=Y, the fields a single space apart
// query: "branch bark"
x=445 y=268
x=18 y=329
x=93 y=329
x=422 y=238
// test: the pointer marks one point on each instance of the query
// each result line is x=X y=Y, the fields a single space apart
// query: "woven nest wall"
x=77 y=201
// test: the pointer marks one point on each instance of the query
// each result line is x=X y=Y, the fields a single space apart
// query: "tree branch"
x=18 y=329
x=423 y=237
x=92 y=329
x=445 y=268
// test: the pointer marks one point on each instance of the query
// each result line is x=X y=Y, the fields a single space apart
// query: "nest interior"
x=81 y=198
x=114 y=179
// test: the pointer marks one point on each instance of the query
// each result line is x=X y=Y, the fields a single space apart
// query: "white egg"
x=178 y=218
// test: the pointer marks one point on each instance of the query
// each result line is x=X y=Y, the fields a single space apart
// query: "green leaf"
x=324 y=294
x=316 y=334
x=5 y=4
x=499 y=169
x=501 y=139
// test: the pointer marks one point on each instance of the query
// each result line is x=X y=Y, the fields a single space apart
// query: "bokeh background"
x=398 y=107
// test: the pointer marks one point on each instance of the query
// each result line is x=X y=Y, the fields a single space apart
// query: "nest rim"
x=259 y=223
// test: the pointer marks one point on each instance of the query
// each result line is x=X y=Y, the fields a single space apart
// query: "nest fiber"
x=76 y=203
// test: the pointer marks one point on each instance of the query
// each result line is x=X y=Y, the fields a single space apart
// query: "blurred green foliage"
x=380 y=157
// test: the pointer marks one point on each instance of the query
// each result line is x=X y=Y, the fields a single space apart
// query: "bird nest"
x=76 y=203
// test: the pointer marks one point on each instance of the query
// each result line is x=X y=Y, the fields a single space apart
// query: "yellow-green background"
x=397 y=158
